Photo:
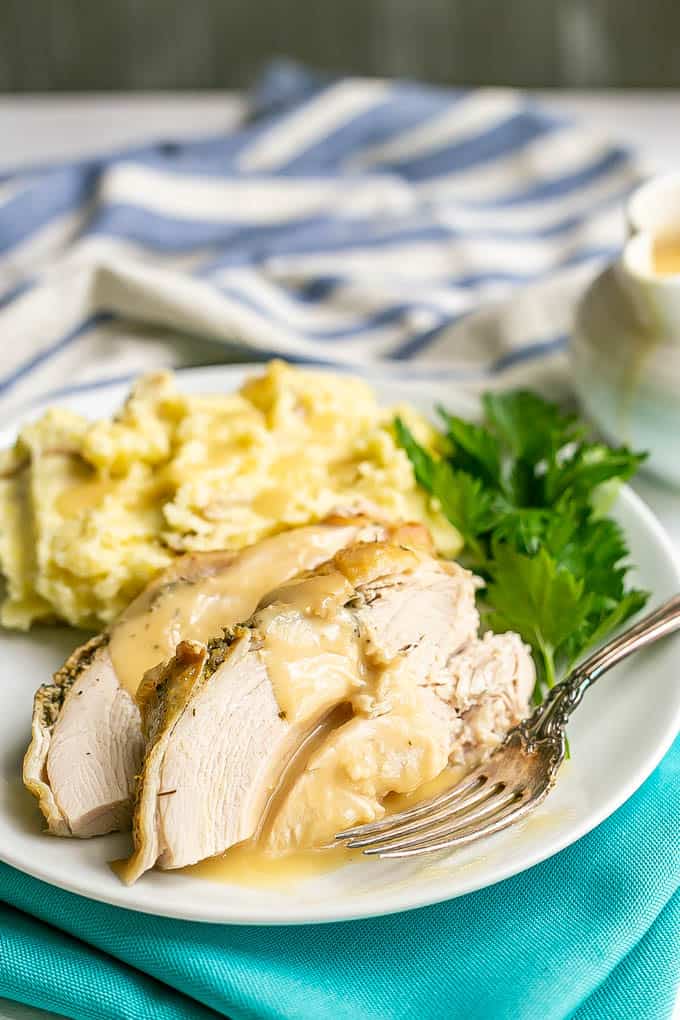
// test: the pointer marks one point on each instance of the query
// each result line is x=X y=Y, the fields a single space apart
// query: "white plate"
x=622 y=730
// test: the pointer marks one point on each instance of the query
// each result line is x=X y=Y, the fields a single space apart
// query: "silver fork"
x=519 y=774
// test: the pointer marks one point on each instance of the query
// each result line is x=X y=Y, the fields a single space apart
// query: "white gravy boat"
x=625 y=349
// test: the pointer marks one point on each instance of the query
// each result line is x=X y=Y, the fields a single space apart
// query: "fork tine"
x=450 y=823
x=456 y=838
x=448 y=797
x=462 y=808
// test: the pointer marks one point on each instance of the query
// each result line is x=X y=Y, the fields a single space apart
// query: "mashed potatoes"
x=91 y=511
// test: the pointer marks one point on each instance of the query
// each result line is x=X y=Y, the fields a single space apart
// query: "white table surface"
x=37 y=128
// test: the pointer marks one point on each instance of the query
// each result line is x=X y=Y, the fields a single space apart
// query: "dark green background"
x=185 y=44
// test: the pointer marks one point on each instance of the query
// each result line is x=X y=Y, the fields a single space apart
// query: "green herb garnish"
x=525 y=489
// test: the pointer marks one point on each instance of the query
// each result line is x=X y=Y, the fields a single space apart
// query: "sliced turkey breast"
x=86 y=740
x=488 y=685
x=405 y=737
x=218 y=746
x=86 y=746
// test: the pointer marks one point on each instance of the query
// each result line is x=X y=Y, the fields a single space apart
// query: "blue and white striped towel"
x=353 y=222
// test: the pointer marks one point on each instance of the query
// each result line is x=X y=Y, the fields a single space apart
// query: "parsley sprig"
x=526 y=490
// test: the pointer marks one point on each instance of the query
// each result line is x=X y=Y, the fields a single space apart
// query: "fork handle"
x=565 y=696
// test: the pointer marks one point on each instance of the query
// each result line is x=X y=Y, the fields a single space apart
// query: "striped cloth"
x=353 y=222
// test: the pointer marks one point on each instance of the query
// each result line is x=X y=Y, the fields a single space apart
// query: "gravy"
x=86 y=495
x=250 y=864
x=666 y=256
x=247 y=865
x=310 y=649
x=199 y=606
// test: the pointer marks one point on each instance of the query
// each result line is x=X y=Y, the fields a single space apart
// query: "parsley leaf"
x=541 y=600
x=590 y=465
x=423 y=462
x=526 y=490
x=461 y=497
x=475 y=450
x=603 y=622
x=532 y=428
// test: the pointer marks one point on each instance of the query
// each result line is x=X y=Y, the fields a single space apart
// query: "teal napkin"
x=593 y=933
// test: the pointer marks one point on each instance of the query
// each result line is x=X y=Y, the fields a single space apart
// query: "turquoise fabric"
x=593 y=934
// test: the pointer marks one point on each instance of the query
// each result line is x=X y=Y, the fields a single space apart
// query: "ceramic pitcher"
x=625 y=349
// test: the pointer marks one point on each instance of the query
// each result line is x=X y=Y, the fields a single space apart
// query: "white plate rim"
x=408 y=899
